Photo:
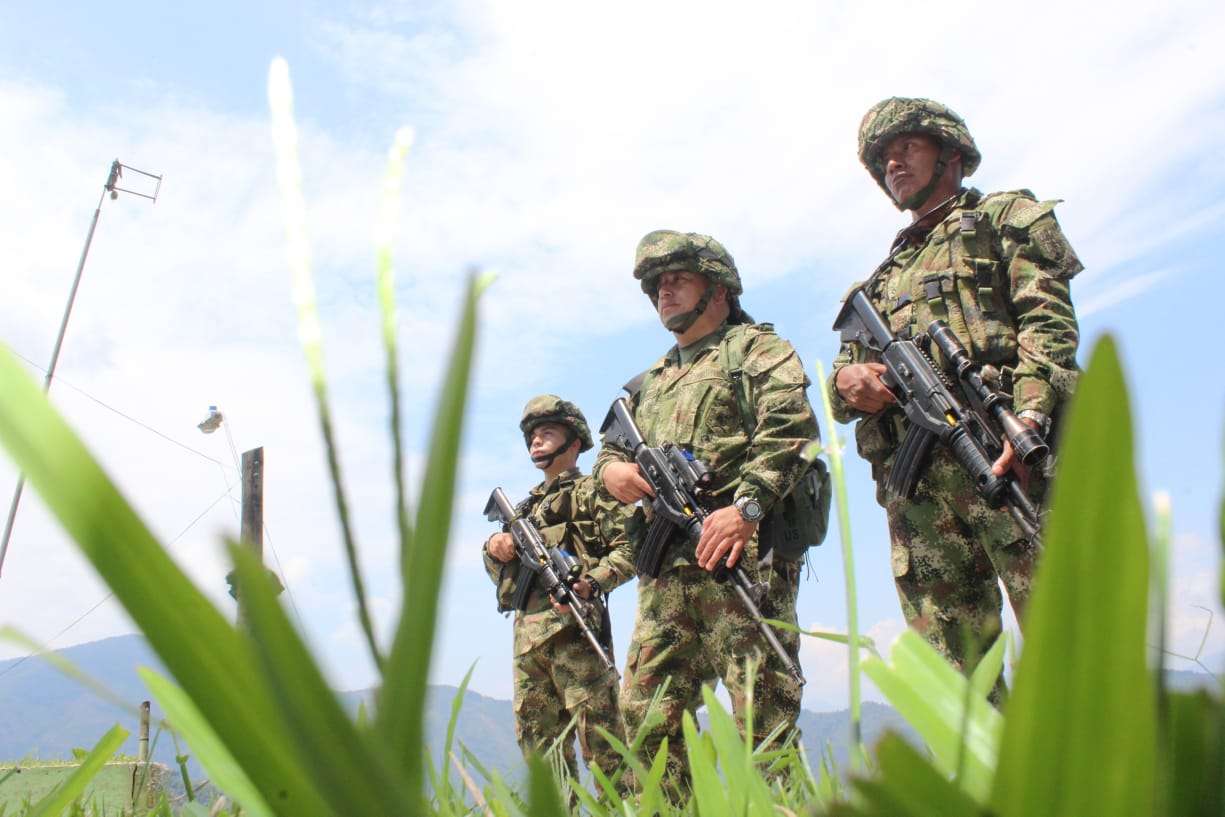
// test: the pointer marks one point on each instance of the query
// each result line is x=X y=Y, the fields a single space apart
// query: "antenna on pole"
x=153 y=185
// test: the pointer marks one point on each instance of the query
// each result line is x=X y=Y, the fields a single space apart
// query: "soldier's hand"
x=1008 y=461
x=861 y=387
x=625 y=482
x=725 y=532
x=501 y=546
x=582 y=587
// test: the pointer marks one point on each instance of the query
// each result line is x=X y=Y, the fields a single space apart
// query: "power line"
x=125 y=416
x=110 y=596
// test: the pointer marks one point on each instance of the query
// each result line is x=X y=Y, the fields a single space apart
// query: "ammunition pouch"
x=800 y=519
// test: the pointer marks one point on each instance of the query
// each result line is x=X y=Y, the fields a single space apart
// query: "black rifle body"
x=550 y=569
x=936 y=413
x=681 y=485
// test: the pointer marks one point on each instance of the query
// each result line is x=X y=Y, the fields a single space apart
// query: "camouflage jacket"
x=695 y=406
x=997 y=269
x=573 y=512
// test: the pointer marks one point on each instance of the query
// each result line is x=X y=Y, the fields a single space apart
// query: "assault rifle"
x=681 y=504
x=971 y=428
x=551 y=568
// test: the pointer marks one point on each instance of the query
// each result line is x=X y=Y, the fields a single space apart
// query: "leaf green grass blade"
x=1080 y=735
x=833 y=450
x=353 y=779
x=74 y=786
x=931 y=694
x=293 y=206
x=214 y=665
x=389 y=219
x=707 y=787
x=222 y=769
x=444 y=788
x=408 y=667
x=909 y=785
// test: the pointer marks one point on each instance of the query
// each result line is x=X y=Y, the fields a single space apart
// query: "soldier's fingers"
x=642 y=485
x=734 y=555
x=717 y=552
x=1001 y=466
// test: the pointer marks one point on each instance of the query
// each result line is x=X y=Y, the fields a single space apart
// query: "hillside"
x=45 y=715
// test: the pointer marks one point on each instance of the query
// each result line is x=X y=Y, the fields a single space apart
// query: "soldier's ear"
x=720 y=294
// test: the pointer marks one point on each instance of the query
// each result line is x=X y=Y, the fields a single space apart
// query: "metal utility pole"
x=111 y=186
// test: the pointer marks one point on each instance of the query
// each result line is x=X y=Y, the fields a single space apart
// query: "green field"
x=110 y=791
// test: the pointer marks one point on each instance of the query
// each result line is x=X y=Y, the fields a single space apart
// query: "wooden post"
x=142 y=751
x=252 y=510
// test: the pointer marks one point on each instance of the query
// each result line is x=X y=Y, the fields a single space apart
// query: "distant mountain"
x=45 y=715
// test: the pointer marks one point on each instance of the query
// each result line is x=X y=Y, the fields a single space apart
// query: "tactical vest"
x=800 y=519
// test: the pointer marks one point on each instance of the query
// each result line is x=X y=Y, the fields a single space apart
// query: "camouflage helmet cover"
x=662 y=251
x=549 y=408
x=897 y=115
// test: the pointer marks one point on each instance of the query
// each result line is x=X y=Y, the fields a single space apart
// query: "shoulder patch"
x=1025 y=213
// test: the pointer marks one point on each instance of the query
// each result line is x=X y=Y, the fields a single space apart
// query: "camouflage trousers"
x=950 y=551
x=556 y=681
x=695 y=631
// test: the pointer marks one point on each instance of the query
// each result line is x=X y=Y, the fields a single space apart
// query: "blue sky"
x=548 y=140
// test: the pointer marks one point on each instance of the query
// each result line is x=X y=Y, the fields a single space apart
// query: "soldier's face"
x=546 y=439
x=909 y=161
x=679 y=292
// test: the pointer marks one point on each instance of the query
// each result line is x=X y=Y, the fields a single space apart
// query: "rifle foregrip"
x=967 y=452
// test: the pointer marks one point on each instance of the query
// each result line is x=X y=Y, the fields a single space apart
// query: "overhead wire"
x=229 y=488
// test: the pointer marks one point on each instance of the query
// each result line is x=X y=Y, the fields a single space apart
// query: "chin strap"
x=921 y=196
x=681 y=322
x=546 y=460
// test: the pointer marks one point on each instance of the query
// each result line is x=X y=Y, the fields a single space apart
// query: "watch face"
x=750 y=510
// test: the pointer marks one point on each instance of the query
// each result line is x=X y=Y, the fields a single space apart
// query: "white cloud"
x=827 y=668
x=549 y=140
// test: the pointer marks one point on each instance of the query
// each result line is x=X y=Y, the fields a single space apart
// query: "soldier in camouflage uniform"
x=997 y=269
x=689 y=627
x=557 y=675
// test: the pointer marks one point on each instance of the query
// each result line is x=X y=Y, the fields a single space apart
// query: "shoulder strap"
x=978 y=238
x=731 y=355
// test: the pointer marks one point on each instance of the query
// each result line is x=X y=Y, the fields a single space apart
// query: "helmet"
x=663 y=251
x=549 y=408
x=897 y=115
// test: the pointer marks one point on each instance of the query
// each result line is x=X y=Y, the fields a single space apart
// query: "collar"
x=551 y=485
x=693 y=350
x=917 y=232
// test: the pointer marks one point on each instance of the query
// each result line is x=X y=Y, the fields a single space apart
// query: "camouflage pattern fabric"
x=997 y=269
x=892 y=117
x=695 y=631
x=572 y=512
x=678 y=629
x=557 y=681
x=663 y=251
x=549 y=408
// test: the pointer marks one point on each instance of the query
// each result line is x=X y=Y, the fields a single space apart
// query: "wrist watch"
x=750 y=509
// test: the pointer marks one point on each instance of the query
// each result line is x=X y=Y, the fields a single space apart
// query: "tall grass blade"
x=543 y=799
x=1080 y=735
x=72 y=788
x=289 y=180
x=443 y=790
x=834 y=451
x=909 y=786
x=389 y=219
x=222 y=769
x=200 y=648
x=354 y=779
x=408 y=667
x=933 y=696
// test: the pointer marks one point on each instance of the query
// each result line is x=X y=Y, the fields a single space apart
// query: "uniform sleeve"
x=785 y=420
x=1041 y=266
x=610 y=452
x=616 y=567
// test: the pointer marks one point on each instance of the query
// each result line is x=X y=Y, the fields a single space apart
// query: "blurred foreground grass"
x=1087 y=731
